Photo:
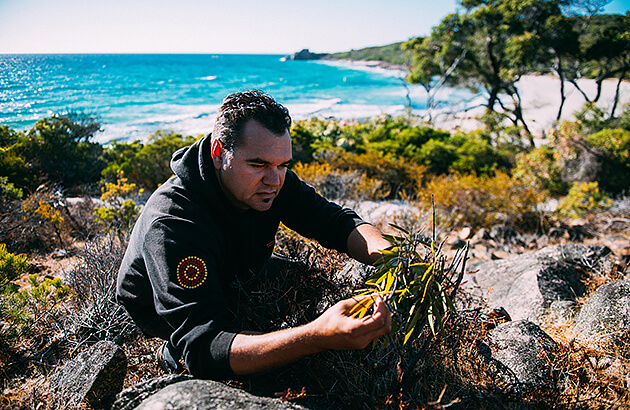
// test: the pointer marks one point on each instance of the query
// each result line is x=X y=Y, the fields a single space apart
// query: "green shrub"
x=147 y=165
x=8 y=191
x=476 y=155
x=11 y=267
x=583 y=198
x=615 y=165
x=540 y=168
x=438 y=156
x=57 y=149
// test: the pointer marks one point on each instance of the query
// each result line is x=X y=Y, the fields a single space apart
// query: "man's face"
x=252 y=175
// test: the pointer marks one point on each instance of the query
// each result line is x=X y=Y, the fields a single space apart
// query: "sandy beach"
x=541 y=99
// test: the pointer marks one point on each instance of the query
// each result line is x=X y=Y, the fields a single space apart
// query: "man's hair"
x=238 y=108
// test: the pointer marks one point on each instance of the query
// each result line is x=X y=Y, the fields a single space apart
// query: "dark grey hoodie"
x=189 y=244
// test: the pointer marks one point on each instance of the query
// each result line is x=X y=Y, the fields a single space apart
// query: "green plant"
x=11 y=267
x=8 y=191
x=417 y=288
x=614 y=144
x=145 y=164
x=20 y=309
x=583 y=198
x=541 y=169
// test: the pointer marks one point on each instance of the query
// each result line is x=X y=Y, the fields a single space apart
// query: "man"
x=216 y=221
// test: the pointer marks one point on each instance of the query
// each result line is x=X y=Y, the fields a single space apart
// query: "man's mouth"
x=266 y=196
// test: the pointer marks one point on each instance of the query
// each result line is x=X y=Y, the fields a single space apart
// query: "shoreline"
x=540 y=96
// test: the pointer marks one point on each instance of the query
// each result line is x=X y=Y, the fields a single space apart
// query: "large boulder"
x=194 y=394
x=518 y=355
x=526 y=285
x=131 y=397
x=94 y=376
x=605 y=313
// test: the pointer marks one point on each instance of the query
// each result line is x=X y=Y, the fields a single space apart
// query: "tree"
x=490 y=46
x=605 y=53
x=56 y=150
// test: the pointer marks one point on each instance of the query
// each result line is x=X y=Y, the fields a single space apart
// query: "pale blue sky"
x=208 y=26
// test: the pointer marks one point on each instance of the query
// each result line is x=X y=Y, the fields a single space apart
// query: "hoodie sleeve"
x=315 y=217
x=182 y=265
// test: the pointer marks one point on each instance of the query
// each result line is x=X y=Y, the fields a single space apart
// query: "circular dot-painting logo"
x=191 y=272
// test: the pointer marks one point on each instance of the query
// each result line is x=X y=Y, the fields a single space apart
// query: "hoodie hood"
x=193 y=166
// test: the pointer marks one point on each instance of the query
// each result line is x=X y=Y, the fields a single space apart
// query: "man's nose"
x=273 y=176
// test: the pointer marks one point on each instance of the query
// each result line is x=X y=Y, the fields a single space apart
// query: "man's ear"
x=217 y=152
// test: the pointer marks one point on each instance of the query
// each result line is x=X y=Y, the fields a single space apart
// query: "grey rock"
x=503 y=233
x=606 y=311
x=527 y=284
x=95 y=375
x=131 y=397
x=482 y=234
x=355 y=271
x=206 y=394
x=519 y=354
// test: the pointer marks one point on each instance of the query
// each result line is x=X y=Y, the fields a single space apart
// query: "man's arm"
x=365 y=243
x=334 y=329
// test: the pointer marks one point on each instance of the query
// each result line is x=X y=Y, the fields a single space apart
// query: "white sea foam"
x=367 y=66
x=209 y=78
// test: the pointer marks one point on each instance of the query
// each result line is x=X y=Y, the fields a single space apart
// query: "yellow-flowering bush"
x=485 y=201
x=121 y=211
x=334 y=183
x=583 y=198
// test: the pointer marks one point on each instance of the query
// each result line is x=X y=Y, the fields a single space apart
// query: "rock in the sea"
x=606 y=312
x=96 y=376
x=204 y=395
x=519 y=354
x=527 y=284
x=305 y=54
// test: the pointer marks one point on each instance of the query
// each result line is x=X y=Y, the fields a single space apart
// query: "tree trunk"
x=563 y=97
x=614 y=107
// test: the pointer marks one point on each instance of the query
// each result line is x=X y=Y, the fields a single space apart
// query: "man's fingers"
x=379 y=321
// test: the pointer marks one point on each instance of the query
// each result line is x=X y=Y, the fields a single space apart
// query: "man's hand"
x=334 y=329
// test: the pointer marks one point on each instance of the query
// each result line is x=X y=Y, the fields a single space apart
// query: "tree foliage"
x=493 y=43
x=56 y=150
x=146 y=164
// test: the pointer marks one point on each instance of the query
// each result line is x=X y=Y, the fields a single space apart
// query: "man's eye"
x=255 y=165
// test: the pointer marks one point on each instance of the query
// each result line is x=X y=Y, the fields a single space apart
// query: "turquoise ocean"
x=135 y=95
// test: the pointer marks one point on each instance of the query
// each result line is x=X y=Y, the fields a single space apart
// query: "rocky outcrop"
x=194 y=394
x=526 y=285
x=94 y=376
x=305 y=54
x=606 y=313
x=518 y=354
